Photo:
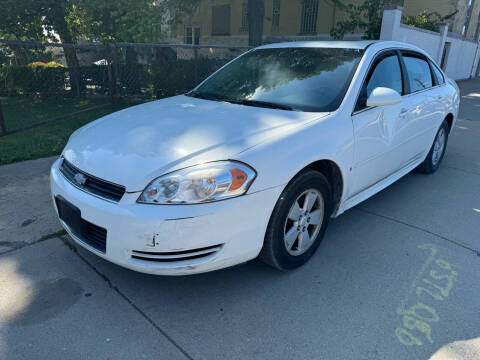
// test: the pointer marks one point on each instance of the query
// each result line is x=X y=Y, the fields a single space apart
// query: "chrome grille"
x=90 y=183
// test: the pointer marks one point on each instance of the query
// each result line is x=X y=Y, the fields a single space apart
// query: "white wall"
x=463 y=57
x=424 y=39
x=460 y=61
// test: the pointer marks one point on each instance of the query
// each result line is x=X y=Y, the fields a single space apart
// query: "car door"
x=421 y=109
x=441 y=100
x=375 y=127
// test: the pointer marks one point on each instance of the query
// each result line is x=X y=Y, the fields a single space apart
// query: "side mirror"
x=382 y=96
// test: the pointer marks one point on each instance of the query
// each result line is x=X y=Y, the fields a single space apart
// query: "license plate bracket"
x=70 y=215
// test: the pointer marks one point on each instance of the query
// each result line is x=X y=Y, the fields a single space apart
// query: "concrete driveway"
x=395 y=278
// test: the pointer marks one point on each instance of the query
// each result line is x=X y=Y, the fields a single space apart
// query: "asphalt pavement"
x=395 y=278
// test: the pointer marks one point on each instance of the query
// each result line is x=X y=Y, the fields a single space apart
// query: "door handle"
x=403 y=113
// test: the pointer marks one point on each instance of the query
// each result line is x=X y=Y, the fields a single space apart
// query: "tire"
x=289 y=254
x=437 y=151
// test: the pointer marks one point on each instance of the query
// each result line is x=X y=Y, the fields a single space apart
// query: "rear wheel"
x=298 y=222
x=437 y=152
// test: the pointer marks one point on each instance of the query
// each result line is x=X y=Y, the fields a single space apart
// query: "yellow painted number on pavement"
x=417 y=320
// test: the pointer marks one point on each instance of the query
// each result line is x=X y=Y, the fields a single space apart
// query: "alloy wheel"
x=303 y=222
x=438 y=146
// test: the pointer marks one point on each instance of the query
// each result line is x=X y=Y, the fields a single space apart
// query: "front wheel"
x=437 y=151
x=298 y=222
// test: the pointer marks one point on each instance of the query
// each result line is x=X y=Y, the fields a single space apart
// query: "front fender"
x=278 y=161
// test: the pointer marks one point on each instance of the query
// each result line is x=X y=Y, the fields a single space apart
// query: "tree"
x=366 y=17
x=56 y=14
x=130 y=21
x=68 y=21
x=256 y=15
x=122 y=20
x=42 y=20
x=427 y=20
x=20 y=22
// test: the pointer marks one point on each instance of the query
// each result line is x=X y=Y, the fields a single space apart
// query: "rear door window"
x=438 y=74
x=419 y=74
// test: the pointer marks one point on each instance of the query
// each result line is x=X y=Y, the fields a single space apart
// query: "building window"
x=221 y=20
x=309 y=17
x=196 y=36
x=191 y=35
x=187 y=35
x=244 y=17
x=276 y=14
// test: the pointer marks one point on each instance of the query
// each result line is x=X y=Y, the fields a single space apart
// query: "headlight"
x=197 y=184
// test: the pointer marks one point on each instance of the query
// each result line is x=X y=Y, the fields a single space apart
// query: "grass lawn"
x=48 y=139
x=23 y=111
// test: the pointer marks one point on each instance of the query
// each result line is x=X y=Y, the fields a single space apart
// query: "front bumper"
x=173 y=239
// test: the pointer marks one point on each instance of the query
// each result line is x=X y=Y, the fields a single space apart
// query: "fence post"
x=392 y=17
x=195 y=65
x=116 y=80
x=3 y=126
x=112 y=71
x=443 y=39
x=111 y=84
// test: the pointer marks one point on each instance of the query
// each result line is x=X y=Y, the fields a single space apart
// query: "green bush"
x=427 y=20
x=42 y=81
x=366 y=16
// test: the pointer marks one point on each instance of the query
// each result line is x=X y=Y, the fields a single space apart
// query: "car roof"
x=320 y=44
x=360 y=45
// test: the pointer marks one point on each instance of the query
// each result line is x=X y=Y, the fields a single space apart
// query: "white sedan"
x=255 y=160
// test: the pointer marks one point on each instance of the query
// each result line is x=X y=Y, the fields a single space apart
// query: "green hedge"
x=32 y=80
x=158 y=80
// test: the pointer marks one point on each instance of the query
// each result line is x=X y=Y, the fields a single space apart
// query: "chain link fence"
x=56 y=81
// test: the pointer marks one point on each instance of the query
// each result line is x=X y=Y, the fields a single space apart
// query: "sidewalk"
x=26 y=211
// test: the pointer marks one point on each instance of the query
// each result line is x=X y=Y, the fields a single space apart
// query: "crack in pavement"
x=72 y=247
x=24 y=244
x=462 y=245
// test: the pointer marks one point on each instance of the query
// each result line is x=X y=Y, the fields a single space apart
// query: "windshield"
x=305 y=79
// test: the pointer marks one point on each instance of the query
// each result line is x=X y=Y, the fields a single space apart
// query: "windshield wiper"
x=246 y=102
x=259 y=103
x=205 y=96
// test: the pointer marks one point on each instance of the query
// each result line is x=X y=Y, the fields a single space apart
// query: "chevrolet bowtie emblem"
x=80 y=179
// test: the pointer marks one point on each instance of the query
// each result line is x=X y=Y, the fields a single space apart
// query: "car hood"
x=133 y=146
